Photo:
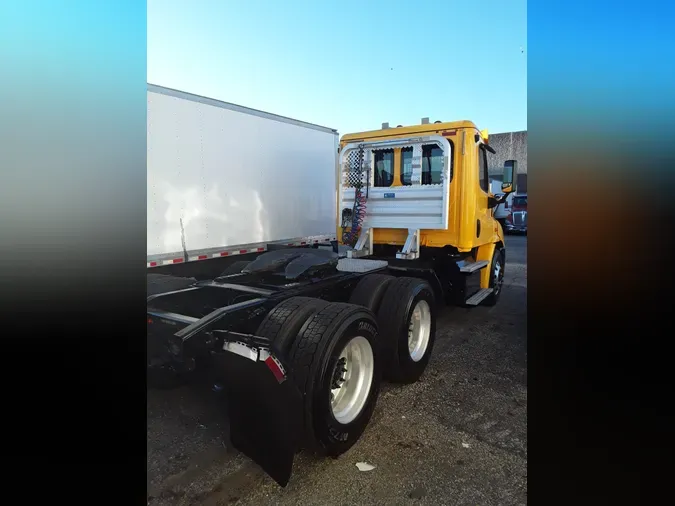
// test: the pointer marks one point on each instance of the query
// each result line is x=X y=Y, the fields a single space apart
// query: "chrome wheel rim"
x=419 y=330
x=351 y=380
x=498 y=276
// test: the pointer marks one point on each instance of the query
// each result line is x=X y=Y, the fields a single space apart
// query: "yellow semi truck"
x=300 y=338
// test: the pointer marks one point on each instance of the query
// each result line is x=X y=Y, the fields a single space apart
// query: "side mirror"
x=510 y=169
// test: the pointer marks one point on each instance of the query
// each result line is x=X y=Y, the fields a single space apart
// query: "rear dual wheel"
x=406 y=312
x=334 y=359
x=407 y=317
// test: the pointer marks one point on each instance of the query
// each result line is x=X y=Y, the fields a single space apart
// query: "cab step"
x=473 y=266
x=478 y=297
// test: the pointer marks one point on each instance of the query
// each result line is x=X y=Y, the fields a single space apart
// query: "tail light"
x=509 y=218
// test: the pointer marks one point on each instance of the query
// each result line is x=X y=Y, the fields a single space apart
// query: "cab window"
x=483 y=169
x=384 y=168
x=432 y=165
x=406 y=166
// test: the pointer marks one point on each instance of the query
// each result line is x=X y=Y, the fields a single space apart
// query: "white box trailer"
x=225 y=179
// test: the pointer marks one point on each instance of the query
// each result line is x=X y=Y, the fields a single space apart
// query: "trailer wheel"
x=370 y=290
x=336 y=365
x=496 y=277
x=234 y=268
x=283 y=323
x=407 y=320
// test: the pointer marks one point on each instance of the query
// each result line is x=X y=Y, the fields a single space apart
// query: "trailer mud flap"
x=265 y=411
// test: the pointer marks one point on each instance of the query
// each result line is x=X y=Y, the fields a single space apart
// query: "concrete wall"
x=509 y=146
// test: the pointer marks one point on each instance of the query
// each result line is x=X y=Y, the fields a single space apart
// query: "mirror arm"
x=494 y=201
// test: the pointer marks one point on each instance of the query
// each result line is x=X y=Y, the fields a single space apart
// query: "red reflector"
x=149 y=320
x=202 y=257
x=261 y=249
x=176 y=260
x=449 y=133
x=224 y=253
x=276 y=370
x=242 y=251
x=302 y=243
x=153 y=264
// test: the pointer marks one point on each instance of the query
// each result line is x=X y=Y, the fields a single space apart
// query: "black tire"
x=314 y=356
x=162 y=283
x=235 y=268
x=498 y=258
x=370 y=290
x=283 y=323
x=394 y=317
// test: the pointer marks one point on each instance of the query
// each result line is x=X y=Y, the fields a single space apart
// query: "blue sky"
x=348 y=65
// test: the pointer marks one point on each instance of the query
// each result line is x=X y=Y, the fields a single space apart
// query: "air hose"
x=358 y=211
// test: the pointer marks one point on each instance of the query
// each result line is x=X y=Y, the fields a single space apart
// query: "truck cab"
x=422 y=194
x=516 y=221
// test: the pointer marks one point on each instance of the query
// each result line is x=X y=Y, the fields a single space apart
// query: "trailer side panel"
x=221 y=175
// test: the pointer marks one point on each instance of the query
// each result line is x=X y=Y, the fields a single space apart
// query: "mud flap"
x=266 y=413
